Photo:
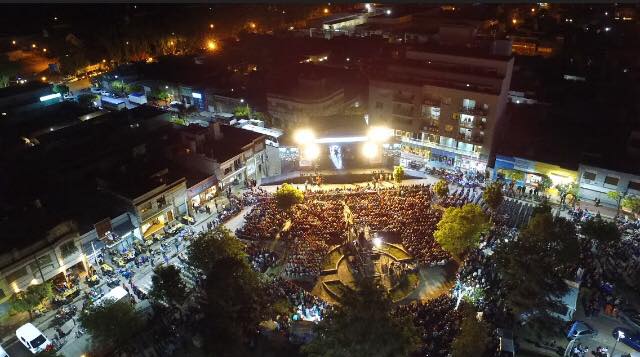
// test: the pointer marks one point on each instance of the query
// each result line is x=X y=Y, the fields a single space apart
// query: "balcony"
x=473 y=111
x=466 y=124
x=400 y=98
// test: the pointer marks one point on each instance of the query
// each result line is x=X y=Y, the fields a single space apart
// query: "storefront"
x=419 y=155
x=532 y=174
x=201 y=193
x=156 y=223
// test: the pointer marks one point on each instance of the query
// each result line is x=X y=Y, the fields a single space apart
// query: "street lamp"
x=379 y=133
x=212 y=45
x=304 y=137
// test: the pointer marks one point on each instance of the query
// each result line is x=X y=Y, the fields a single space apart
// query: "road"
x=76 y=347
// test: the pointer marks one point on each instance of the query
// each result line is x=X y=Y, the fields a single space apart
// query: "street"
x=76 y=347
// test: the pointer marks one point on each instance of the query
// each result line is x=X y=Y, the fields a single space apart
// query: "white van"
x=3 y=353
x=32 y=338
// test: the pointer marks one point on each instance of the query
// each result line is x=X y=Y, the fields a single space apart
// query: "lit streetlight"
x=43 y=78
x=326 y=10
x=44 y=50
x=212 y=45
x=33 y=45
x=252 y=25
x=13 y=42
x=211 y=26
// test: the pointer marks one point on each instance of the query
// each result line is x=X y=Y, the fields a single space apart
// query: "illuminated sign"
x=196 y=95
x=50 y=96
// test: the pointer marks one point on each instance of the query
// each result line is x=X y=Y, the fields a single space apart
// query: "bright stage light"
x=311 y=152
x=304 y=136
x=379 y=133
x=377 y=242
x=370 y=150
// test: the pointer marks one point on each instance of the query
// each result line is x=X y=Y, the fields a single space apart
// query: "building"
x=156 y=196
x=443 y=103
x=312 y=97
x=21 y=98
x=597 y=182
x=223 y=155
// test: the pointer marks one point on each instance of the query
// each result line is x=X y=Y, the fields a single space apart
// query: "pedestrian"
x=166 y=258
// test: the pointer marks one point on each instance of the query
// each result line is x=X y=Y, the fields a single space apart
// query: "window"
x=145 y=207
x=610 y=180
x=379 y=105
x=634 y=185
x=68 y=249
x=469 y=103
x=589 y=175
x=16 y=275
x=161 y=201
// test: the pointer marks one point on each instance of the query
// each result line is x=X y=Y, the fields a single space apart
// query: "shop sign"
x=523 y=165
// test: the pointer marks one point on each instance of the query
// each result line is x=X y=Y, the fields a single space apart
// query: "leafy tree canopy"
x=288 y=196
x=113 y=323
x=61 y=88
x=212 y=246
x=441 y=188
x=632 y=203
x=168 y=285
x=28 y=300
x=473 y=336
x=87 y=99
x=362 y=325
x=492 y=195
x=601 y=231
x=398 y=174
x=459 y=229
x=534 y=265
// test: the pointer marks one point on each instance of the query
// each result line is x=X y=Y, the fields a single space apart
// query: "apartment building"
x=443 y=103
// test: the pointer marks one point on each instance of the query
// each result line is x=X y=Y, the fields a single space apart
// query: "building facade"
x=597 y=182
x=443 y=106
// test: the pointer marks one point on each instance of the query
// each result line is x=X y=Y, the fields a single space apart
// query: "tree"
x=545 y=183
x=473 y=336
x=112 y=323
x=118 y=86
x=234 y=307
x=242 y=111
x=288 y=196
x=534 y=265
x=61 y=88
x=134 y=88
x=565 y=189
x=28 y=300
x=87 y=99
x=4 y=80
x=160 y=94
x=493 y=196
x=618 y=197
x=398 y=174
x=355 y=328
x=543 y=207
x=214 y=245
x=459 y=229
x=441 y=188
x=632 y=203
x=601 y=231
x=168 y=285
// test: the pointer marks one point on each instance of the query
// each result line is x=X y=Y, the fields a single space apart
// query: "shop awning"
x=153 y=229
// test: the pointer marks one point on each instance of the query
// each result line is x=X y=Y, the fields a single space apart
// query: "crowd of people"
x=438 y=322
x=304 y=305
x=317 y=224
x=261 y=259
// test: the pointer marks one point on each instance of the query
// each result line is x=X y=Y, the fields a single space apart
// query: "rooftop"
x=232 y=143
x=30 y=86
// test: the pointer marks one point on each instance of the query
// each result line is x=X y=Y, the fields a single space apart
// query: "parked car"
x=32 y=338
x=3 y=353
x=631 y=338
x=95 y=90
x=580 y=329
